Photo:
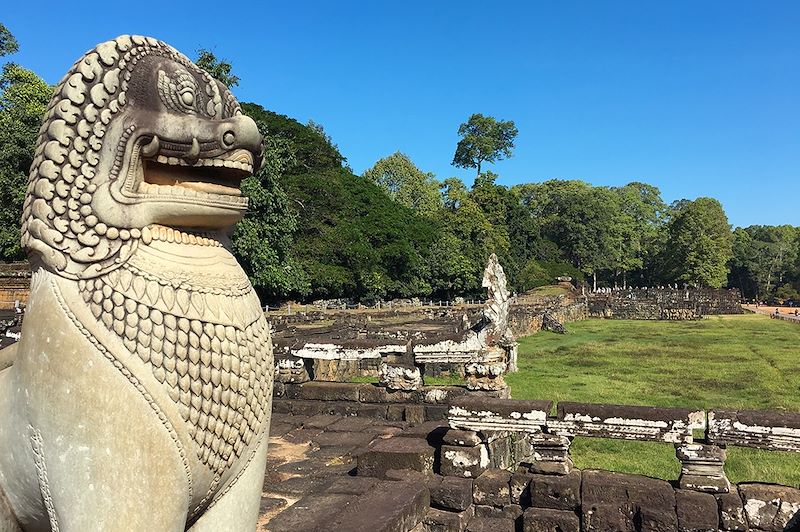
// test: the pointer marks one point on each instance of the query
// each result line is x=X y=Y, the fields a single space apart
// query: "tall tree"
x=23 y=102
x=406 y=184
x=484 y=139
x=219 y=69
x=700 y=243
x=8 y=44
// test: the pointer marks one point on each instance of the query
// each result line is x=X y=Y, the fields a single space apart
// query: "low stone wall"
x=663 y=303
x=429 y=403
x=525 y=320
x=504 y=465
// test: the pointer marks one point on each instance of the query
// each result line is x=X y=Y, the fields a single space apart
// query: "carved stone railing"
x=483 y=422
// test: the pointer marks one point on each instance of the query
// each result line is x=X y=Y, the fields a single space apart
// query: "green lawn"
x=746 y=361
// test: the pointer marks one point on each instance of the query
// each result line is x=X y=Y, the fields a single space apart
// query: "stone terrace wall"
x=663 y=303
x=504 y=465
x=15 y=281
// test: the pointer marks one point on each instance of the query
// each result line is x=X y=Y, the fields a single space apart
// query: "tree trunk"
x=594 y=281
x=479 y=169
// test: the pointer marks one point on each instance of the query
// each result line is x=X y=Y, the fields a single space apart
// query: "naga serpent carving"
x=140 y=392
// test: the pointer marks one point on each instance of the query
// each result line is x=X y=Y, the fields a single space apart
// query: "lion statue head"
x=134 y=135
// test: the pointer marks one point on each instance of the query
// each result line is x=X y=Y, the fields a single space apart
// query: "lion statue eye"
x=187 y=97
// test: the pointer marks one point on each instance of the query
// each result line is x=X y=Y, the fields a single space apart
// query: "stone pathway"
x=309 y=483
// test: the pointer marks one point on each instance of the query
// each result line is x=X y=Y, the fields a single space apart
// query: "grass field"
x=746 y=361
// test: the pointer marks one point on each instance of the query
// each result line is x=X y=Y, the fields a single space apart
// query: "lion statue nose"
x=241 y=132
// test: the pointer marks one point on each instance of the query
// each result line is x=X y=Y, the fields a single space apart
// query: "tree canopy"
x=484 y=139
x=406 y=184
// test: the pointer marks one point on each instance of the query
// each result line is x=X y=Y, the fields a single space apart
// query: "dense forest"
x=316 y=230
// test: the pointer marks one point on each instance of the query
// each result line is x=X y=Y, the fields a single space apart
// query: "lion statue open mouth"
x=140 y=393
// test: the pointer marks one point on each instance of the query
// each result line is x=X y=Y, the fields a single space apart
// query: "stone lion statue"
x=139 y=395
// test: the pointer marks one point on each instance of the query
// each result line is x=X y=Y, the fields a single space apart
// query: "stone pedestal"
x=702 y=468
x=550 y=454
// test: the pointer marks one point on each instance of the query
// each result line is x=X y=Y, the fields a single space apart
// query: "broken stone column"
x=291 y=370
x=550 y=454
x=702 y=468
x=485 y=375
x=400 y=377
x=495 y=312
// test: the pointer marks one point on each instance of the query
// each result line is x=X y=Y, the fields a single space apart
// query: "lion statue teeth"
x=140 y=393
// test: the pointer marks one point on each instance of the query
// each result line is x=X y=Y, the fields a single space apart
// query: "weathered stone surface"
x=467 y=462
x=485 y=375
x=753 y=428
x=291 y=370
x=731 y=511
x=312 y=512
x=649 y=519
x=452 y=493
x=559 y=492
x=489 y=524
x=478 y=413
x=697 y=512
x=348 y=485
x=343 y=439
x=445 y=521
x=607 y=517
x=320 y=421
x=492 y=488
x=626 y=422
x=299 y=486
x=549 y=454
x=396 y=453
x=400 y=377
x=328 y=391
x=509 y=511
x=414 y=414
x=548 y=520
x=518 y=487
x=615 y=500
x=770 y=507
x=388 y=507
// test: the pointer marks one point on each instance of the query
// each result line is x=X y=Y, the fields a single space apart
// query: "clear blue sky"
x=697 y=98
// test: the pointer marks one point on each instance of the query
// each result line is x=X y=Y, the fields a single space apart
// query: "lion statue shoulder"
x=140 y=393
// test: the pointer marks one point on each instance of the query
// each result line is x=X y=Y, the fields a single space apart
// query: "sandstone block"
x=548 y=520
x=731 y=511
x=396 y=453
x=492 y=488
x=697 y=512
x=452 y=493
x=445 y=521
x=488 y=524
x=558 y=492
x=467 y=462
x=770 y=507
x=462 y=438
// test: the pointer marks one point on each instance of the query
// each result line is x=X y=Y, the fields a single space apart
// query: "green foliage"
x=484 y=139
x=541 y=273
x=313 y=150
x=765 y=257
x=700 y=243
x=23 y=102
x=263 y=240
x=8 y=44
x=219 y=69
x=406 y=184
x=354 y=241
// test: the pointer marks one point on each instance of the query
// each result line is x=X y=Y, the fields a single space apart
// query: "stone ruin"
x=478 y=345
x=663 y=303
x=504 y=465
